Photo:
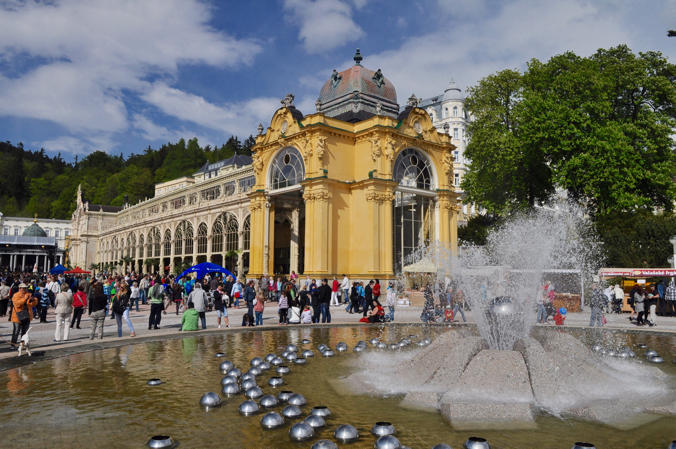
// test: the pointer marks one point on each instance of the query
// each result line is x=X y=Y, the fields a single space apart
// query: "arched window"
x=149 y=245
x=455 y=111
x=413 y=169
x=246 y=229
x=140 y=246
x=287 y=169
x=217 y=235
x=167 y=242
x=202 y=238
x=132 y=246
x=189 y=236
x=231 y=237
x=157 y=240
x=178 y=239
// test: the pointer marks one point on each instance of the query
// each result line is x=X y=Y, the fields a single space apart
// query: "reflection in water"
x=100 y=398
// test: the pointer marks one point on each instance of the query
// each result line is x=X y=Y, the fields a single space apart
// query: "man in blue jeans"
x=324 y=301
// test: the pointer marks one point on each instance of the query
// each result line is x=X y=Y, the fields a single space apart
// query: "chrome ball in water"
x=248 y=376
x=374 y=341
x=300 y=361
x=308 y=353
x=650 y=353
x=256 y=370
x=306 y=341
x=291 y=411
x=382 y=428
x=248 y=408
x=324 y=444
x=226 y=366
x=387 y=442
x=220 y=354
x=297 y=399
x=656 y=359
x=301 y=431
x=272 y=420
x=341 y=347
x=328 y=353
x=358 y=349
x=160 y=442
x=275 y=381
x=283 y=369
x=234 y=372
x=269 y=357
x=442 y=446
x=580 y=445
x=477 y=443
x=247 y=384
x=322 y=347
x=210 y=400
x=321 y=410
x=256 y=361
x=230 y=389
x=381 y=345
x=284 y=395
x=154 y=382
x=264 y=366
x=291 y=356
x=641 y=346
x=253 y=393
x=394 y=346
x=315 y=421
x=292 y=348
x=346 y=433
x=228 y=380
x=268 y=401
x=277 y=361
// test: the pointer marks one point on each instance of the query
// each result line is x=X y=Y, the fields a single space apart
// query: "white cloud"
x=518 y=31
x=93 y=53
x=77 y=145
x=235 y=118
x=324 y=24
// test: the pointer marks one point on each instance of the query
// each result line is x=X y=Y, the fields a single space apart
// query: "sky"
x=118 y=76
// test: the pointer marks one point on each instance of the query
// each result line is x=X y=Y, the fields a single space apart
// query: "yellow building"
x=354 y=188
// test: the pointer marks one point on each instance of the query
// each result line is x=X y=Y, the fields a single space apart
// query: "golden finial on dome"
x=35 y=218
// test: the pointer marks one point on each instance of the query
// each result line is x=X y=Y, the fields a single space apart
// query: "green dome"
x=34 y=230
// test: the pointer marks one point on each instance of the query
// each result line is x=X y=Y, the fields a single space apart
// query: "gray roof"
x=238 y=160
x=103 y=208
x=27 y=241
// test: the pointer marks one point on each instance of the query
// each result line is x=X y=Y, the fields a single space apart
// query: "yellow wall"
x=348 y=189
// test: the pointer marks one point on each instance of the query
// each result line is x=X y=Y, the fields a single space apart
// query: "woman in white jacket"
x=64 y=308
x=391 y=300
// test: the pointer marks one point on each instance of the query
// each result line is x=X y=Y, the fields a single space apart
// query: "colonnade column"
x=45 y=264
x=258 y=258
x=293 y=247
x=23 y=262
x=172 y=254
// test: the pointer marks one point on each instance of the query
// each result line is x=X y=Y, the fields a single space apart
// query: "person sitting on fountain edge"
x=190 y=318
x=560 y=316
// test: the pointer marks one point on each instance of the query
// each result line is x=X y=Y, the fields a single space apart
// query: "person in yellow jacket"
x=22 y=312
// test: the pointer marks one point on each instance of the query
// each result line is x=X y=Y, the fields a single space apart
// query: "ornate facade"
x=354 y=188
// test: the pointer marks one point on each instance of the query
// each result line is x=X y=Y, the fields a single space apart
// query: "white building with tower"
x=26 y=245
x=449 y=115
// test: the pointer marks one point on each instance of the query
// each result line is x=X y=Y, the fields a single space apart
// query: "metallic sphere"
x=387 y=442
x=226 y=366
x=346 y=433
x=269 y=357
x=248 y=408
x=160 y=442
x=650 y=353
x=322 y=347
x=228 y=380
x=277 y=361
x=230 y=389
x=253 y=393
x=394 y=346
x=381 y=345
x=210 y=400
x=247 y=376
x=264 y=366
x=272 y=420
x=275 y=381
x=315 y=421
x=656 y=359
x=374 y=341
x=580 y=445
x=268 y=401
x=247 y=384
x=292 y=348
x=324 y=444
x=382 y=428
x=234 y=372
x=256 y=370
x=154 y=382
x=283 y=369
x=256 y=361
x=300 y=361
x=291 y=411
x=284 y=395
x=291 y=356
x=358 y=348
x=477 y=443
x=328 y=353
x=297 y=399
x=301 y=432
x=306 y=341
x=341 y=347
x=220 y=354
x=321 y=410
x=442 y=446
x=308 y=353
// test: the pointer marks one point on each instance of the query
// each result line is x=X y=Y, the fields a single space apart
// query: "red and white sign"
x=637 y=272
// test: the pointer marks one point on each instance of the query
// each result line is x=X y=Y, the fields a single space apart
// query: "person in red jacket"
x=79 y=304
x=560 y=316
x=376 y=291
x=335 y=286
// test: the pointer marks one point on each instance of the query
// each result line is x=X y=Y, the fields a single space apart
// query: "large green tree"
x=599 y=128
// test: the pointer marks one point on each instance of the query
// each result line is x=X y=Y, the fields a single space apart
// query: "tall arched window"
x=231 y=237
x=246 y=230
x=132 y=246
x=455 y=111
x=189 y=236
x=287 y=169
x=178 y=240
x=140 y=246
x=167 y=243
x=202 y=238
x=217 y=235
x=413 y=169
x=157 y=240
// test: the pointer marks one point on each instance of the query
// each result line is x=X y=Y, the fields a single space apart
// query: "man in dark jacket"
x=368 y=297
x=324 y=301
x=97 y=308
x=249 y=297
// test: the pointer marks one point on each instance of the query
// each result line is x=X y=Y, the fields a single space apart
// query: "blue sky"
x=80 y=76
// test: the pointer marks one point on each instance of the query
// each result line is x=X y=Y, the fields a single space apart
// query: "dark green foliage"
x=475 y=231
x=32 y=182
x=638 y=239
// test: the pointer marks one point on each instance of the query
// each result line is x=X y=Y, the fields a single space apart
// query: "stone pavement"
x=42 y=334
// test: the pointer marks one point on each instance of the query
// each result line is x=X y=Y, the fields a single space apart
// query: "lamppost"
x=672 y=240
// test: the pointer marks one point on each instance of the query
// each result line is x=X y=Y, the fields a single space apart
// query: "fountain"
x=504 y=376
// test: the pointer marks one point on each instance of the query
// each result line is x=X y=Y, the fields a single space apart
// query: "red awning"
x=637 y=272
x=77 y=270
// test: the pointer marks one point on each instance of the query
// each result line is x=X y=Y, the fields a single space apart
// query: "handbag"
x=22 y=315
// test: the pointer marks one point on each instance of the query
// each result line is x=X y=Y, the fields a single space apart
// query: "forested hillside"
x=32 y=182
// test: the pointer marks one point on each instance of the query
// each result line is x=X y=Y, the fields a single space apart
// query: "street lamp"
x=672 y=240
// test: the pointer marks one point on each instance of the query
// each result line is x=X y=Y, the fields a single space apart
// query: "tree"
x=599 y=128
